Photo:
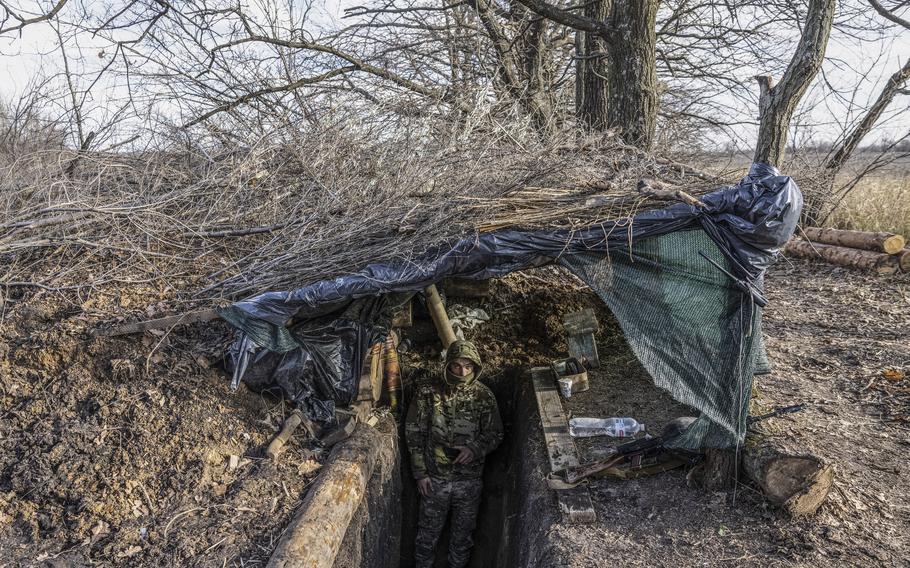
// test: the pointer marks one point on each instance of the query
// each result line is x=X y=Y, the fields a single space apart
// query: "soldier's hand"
x=465 y=456
x=425 y=486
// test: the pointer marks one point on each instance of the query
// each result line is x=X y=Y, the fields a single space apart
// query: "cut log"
x=878 y=242
x=796 y=482
x=903 y=260
x=314 y=536
x=841 y=256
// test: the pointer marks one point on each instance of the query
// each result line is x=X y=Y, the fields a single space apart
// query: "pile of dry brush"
x=201 y=224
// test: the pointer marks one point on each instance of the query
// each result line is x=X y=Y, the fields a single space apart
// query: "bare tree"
x=778 y=102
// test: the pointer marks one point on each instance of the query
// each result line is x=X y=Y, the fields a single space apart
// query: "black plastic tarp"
x=749 y=222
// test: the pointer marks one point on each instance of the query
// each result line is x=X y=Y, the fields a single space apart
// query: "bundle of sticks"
x=883 y=253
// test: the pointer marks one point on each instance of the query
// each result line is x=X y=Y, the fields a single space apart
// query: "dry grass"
x=881 y=202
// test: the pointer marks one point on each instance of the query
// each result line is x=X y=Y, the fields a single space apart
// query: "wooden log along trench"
x=314 y=536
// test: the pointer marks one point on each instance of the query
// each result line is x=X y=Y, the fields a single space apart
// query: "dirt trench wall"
x=373 y=539
x=533 y=509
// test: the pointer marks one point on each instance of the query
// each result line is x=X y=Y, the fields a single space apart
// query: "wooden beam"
x=170 y=321
x=440 y=318
x=574 y=503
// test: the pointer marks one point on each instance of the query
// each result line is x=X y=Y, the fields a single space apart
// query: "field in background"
x=881 y=202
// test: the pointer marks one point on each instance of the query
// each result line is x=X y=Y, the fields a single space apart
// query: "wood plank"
x=575 y=503
x=170 y=321
x=580 y=328
x=560 y=446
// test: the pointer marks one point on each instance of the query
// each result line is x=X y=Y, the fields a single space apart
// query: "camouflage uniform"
x=445 y=414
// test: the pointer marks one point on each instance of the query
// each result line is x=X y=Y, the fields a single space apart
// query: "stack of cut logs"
x=884 y=253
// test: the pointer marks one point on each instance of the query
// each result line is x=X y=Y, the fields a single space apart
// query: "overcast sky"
x=25 y=58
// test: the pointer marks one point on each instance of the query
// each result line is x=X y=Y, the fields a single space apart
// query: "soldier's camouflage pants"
x=462 y=496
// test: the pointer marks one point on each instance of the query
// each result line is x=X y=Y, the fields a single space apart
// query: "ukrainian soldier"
x=452 y=424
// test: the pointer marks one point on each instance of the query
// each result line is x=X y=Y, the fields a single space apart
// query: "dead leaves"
x=893 y=375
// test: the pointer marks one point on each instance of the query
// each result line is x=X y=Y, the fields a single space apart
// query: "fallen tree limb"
x=841 y=256
x=657 y=190
x=314 y=536
x=170 y=321
x=879 y=242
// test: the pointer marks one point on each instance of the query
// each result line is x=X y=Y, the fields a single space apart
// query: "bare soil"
x=117 y=452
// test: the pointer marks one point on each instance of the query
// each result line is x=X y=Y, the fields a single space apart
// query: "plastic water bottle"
x=616 y=427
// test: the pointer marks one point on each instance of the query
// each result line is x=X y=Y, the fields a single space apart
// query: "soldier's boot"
x=431 y=519
x=465 y=504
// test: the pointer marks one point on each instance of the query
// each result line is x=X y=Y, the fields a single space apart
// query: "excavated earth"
x=133 y=451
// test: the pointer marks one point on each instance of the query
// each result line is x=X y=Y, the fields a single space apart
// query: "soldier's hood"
x=466 y=349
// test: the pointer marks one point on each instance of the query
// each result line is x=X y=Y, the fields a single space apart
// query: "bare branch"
x=887 y=14
x=846 y=148
x=271 y=90
x=567 y=18
x=23 y=21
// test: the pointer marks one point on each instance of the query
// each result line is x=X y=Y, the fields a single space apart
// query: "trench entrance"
x=525 y=330
x=498 y=518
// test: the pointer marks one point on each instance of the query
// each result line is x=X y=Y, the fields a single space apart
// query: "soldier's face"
x=461 y=367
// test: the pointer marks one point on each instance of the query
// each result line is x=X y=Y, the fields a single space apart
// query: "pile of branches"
x=216 y=221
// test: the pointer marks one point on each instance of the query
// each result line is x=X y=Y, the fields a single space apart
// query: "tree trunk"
x=777 y=103
x=797 y=483
x=851 y=258
x=878 y=242
x=632 y=97
x=592 y=70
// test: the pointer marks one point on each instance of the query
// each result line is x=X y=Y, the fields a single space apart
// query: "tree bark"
x=878 y=242
x=841 y=256
x=903 y=260
x=592 y=70
x=630 y=88
x=632 y=96
x=719 y=470
x=777 y=103
x=797 y=483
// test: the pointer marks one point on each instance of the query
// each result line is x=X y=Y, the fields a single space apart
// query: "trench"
x=498 y=521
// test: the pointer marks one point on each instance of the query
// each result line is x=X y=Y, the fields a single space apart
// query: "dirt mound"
x=132 y=450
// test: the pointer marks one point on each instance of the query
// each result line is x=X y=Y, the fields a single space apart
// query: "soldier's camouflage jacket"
x=442 y=416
